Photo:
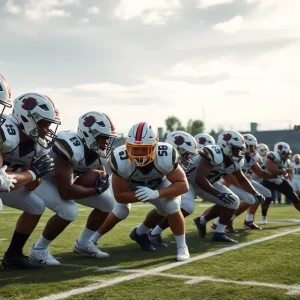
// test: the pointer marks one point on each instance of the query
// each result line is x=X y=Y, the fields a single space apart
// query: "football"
x=88 y=178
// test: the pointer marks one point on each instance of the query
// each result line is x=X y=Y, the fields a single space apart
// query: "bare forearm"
x=126 y=197
x=206 y=186
x=75 y=192
x=174 y=190
x=22 y=178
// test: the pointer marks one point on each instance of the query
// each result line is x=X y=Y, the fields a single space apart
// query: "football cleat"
x=264 y=220
x=43 y=256
x=183 y=253
x=201 y=228
x=20 y=261
x=222 y=237
x=142 y=240
x=251 y=225
x=157 y=240
x=91 y=249
x=230 y=229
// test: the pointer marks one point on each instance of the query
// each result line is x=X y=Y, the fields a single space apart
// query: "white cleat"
x=183 y=253
x=43 y=256
x=91 y=249
x=263 y=221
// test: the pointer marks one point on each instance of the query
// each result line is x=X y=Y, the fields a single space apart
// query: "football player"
x=187 y=148
x=145 y=170
x=216 y=161
x=74 y=154
x=275 y=164
x=6 y=181
x=26 y=137
x=251 y=163
x=204 y=139
x=295 y=164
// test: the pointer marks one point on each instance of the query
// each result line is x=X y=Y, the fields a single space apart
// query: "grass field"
x=264 y=264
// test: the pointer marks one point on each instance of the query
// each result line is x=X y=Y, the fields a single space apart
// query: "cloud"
x=203 y=4
x=37 y=10
x=84 y=20
x=93 y=10
x=1 y=62
x=231 y=26
x=155 y=12
x=12 y=8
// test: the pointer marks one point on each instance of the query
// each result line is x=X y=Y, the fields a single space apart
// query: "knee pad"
x=68 y=212
x=121 y=211
x=37 y=207
x=171 y=206
x=236 y=203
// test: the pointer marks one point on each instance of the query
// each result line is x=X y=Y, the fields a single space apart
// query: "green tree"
x=195 y=127
x=173 y=123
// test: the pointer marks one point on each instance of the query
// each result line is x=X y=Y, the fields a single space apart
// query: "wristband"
x=33 y=175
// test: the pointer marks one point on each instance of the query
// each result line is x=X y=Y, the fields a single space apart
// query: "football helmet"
x=204 y=139
x=141 y=144
x=262 y=149
x=232 y=144
x=5 y=95
x=283 y=149
x=29 y=109
x=251 y=144
x=186 y=146
x=296 y=158
x=92 y=126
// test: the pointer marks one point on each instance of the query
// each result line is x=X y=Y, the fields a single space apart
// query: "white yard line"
x=153 y=271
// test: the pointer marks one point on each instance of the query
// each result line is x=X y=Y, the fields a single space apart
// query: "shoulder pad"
x=274 y=156
x=69 y=146
x=166 y=158
x=120 y=163
x=9 y=135
x=213 y=154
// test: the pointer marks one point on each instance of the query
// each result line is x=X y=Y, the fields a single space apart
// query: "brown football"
x=88 y=178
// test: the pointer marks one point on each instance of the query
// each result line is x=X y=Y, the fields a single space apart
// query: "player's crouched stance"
x=24 y=135
x=147 y=170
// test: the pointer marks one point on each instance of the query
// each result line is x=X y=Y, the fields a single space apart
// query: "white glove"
x=6 y=181
x=144 y=193
x=278 y=181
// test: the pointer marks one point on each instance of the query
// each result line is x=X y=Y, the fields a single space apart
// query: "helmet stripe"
x=139 y=131
x=111 y=123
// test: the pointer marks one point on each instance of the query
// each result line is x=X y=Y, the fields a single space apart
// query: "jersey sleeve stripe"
x=113 y=163
x=64 y=147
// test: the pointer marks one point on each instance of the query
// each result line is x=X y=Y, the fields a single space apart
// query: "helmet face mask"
x=232 y=144
x=186 y=147
x=262 y=149
x=37 y=117
x=251 y=144
x=141 y=144
x=283 y=149
x=97 y=133
x=5 y=96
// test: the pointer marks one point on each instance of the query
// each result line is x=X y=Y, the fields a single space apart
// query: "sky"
x=227 y=62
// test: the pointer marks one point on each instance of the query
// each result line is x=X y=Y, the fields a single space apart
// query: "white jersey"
x=151 y=175
x=16 y=155
x=250 y=161
x=214 y=154
x=69 y=146
x=296 y=175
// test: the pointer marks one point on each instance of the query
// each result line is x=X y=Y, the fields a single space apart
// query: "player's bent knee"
x=171 y=206
x=249 y=199
x=188 y=207
x=36 y=208
x=69 y=213
x=121 y=211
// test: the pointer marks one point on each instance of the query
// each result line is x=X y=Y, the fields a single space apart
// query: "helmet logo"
x=227 y=137
x=202 y=140
x=29 y=103
x=179 y=140
x=89 y=121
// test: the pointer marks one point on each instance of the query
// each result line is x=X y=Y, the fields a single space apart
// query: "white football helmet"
x=283 y=149
x=204 y=139
x=251 y=144
x=186 y=146
x=141 y=144
x=31 y=108
x=93 y=125
x=296 y=158
x=232 y=144
x=5 y=95
x=262 y=149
